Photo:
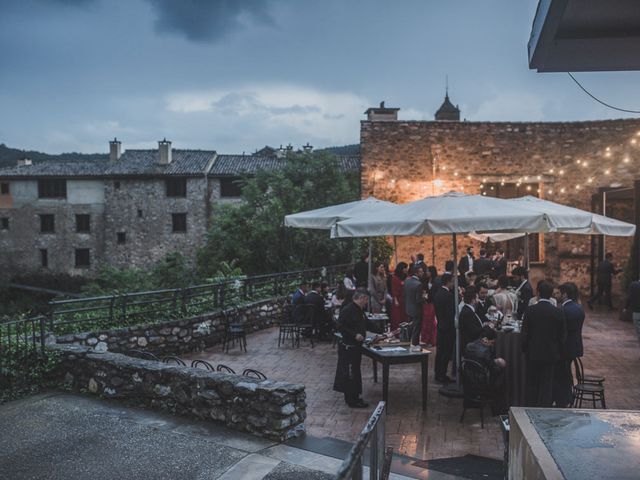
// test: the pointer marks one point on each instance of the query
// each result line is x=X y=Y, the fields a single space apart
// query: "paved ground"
x=611 y=349
x=68 y=437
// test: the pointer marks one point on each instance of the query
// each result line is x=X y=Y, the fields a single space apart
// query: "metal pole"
x=526 y=252
x=395 y=249
x=370 y=267
x=604 y=212
x=457 y=307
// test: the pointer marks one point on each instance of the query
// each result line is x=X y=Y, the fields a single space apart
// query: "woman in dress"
x=398 y=314
x=505 y=300
x=349 y=285
x=429 y=323
x=378 y=288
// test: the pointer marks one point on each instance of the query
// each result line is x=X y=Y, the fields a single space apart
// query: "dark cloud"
x=209 y=20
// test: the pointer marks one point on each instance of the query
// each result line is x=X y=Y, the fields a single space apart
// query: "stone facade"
x=274 y=410
x=564 y=162
x=177 y=336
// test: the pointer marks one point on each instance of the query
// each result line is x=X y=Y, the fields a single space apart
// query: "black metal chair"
x=175 y=360
x=234 y=330
x=142 y=354
x=288 y=327
x=203 y=364
x=304 y=315
x=597 y=379
x=583 y=390
x=477 y=389
x=249 y=372
x=225 y=369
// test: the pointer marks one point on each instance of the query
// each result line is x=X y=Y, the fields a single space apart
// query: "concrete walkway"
x=64 y=436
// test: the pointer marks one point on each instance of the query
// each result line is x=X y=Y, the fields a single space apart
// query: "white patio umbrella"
x=454 y=213
x=325 y=218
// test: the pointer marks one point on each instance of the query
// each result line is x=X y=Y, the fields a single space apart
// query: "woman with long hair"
x=378 y=287
x=428 y=333
x=398 y=314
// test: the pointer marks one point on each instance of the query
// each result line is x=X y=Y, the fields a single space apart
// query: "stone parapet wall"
x=178 y=336
x=275 y=410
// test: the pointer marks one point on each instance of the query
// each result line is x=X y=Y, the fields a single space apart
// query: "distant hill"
x=344 y=150
x=9 y=156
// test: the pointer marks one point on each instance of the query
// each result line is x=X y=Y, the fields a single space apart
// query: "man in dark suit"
x=499 y=264
x=361 y=272
x=482 y=266
x=604 y=274
x=413 y=300
x=445 y=313
x=320 y=317
x=470 y=322
x=466 y=263
x=574 y=319
x=523 y=289
x=482 y=307
x=352 y=324
x=543 y=337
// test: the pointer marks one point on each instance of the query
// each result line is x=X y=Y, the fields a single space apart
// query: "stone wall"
x=177 y=336
x=564 y=162
x=274 y=410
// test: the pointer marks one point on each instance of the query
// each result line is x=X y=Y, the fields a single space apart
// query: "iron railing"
x=22 y=350
x=81 y=314
x=379 y=457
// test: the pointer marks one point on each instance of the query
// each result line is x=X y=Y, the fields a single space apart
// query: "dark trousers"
x=445 y=351
x=539 y=384
x=348 y=375
x=562 y=384
x=416 y=328
x=604 y=289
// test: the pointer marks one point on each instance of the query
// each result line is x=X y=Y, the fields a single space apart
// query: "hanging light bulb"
x=528 y=188
x=539 y=177
x=626 y=160
x=633 y=141
x=550 y=191
x=607 y=172
x=590 y=180
x=551 y=170
x=468 y=177
x=585 y=164
x=562 y=190
x=561 y=172
x=578 y=162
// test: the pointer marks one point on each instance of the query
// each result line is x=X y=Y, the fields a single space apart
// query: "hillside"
x=9 y=156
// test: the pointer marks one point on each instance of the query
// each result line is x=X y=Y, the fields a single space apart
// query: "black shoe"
x=358 y=404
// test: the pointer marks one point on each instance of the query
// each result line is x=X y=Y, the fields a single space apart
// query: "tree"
x=253 y=234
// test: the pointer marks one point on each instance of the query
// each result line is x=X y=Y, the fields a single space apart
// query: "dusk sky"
x=234 y=75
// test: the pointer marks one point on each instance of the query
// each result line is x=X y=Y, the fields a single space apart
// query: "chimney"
x=164 y=148
x=114 y=150
x=382 y=114
x=307 y=148
x=280 y=152
x=24 y=162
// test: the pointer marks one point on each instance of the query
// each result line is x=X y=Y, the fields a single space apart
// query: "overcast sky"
x=234 y=75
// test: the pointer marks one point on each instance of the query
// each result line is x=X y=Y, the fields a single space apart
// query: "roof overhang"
x=585 y=36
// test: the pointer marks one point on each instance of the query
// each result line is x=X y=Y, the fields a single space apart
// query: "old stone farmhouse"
x=130 y=210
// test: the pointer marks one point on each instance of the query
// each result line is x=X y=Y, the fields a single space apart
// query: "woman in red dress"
x=398 y=314
x=428 y=333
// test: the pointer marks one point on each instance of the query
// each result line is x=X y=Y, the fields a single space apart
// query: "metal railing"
x=372 y=435
x=22 y=349
x=81 y=314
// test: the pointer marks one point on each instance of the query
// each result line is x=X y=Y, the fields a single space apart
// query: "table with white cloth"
x=509 y=346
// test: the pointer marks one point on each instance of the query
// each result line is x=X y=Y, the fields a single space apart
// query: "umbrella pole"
x=526 y=252
x=369 y=277
x=451 y=390
x=395 y=249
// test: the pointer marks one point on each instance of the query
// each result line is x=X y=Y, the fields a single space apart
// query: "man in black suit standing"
x=361 y=272
x=466 y=263
x=543 y=337
x=445 y=313
x=483 y=266
x=574 y=318
x=316 y=300
x=523 y=290
x=413 y=300
x=604 y=274
x=499 y=264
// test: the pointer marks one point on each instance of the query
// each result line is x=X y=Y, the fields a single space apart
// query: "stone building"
x=591 y=165
x=128 y=211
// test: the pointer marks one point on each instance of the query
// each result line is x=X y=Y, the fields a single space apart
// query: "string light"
x=578 y=162
x=526 y=177
x=626 y=160
x=561 y=172
x=550 y=191
x=455 y=174
x=590 y=180
x=539 y=177
x=562 y=190
x=551 y=170
x=444 y=167
x=585 y=164
x=528 y=188
x=633 y=141
x=468 y=177
x=607 y=171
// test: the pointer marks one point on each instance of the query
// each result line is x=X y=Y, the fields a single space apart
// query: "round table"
x=509 y=347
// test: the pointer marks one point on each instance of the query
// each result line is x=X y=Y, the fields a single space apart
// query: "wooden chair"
x=288 y=328
x=202 y=364
x=477 y=389
x=249 y=372
x=582 y=390
x=225 y=369
x=234 y=330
